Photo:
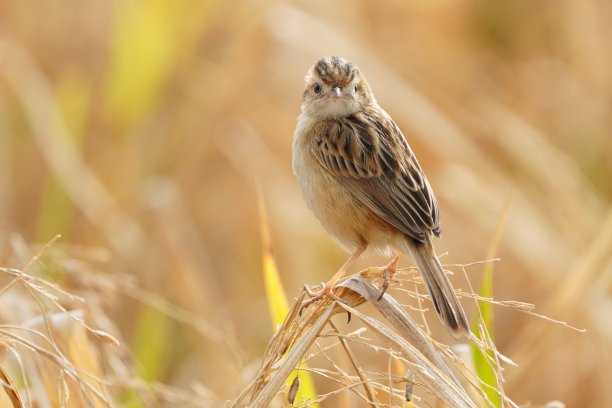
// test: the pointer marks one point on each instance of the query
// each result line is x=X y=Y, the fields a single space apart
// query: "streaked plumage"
x=363 y=182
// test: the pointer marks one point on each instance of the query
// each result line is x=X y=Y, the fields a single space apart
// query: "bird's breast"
x=348 y=220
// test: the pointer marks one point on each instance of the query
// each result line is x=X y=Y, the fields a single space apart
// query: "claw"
x=388 y=272
x=326 y=291
x=303 y=306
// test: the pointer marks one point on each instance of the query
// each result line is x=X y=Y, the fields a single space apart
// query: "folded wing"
x=369 y=152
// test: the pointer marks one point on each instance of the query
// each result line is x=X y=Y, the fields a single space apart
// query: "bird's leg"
x=327 y=289
x=388 y=273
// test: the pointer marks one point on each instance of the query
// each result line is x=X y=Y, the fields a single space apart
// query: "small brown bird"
x=360 y=178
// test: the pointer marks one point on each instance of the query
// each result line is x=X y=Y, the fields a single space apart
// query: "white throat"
x=330 y=108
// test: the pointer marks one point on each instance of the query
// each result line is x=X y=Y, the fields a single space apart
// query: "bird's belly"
x=349 y=221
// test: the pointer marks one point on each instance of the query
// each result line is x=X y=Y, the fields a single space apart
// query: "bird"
x=360 y=178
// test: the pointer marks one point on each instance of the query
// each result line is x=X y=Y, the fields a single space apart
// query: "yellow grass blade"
x=141 y=56
x=484 y=370
x=148 y=38
x=277 y=302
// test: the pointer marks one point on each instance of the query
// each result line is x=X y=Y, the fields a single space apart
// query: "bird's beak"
x=337 y=90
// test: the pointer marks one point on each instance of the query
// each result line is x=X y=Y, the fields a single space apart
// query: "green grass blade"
x=482 y=364
x=150 y=348
x=56 y=213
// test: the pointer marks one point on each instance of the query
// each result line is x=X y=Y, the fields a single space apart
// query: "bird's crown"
x=335 y=71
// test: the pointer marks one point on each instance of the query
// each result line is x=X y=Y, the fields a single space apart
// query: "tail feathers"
x=439 y=287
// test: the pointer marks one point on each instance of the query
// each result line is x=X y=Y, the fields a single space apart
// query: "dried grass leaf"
x=10 y=389
x=417 y=352
x=300 y=347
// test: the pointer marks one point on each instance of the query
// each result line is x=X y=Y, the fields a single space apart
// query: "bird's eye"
x=317 y=88
x=355 y=88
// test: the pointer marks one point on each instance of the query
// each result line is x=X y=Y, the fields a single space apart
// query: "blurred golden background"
x=138 y=129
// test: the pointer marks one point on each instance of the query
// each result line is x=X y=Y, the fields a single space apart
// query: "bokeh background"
x=139 y=129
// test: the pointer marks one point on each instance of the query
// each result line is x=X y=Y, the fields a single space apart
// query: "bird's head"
x=335 y=88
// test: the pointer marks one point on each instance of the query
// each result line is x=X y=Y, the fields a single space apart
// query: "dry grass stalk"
x=403 y=340
x=56 y=354
x=9 y=387
x=430 y=364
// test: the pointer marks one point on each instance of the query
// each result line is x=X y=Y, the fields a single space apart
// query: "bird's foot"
x=388 y=273
x=326 y=291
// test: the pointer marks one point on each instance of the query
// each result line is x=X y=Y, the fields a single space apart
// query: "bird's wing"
x=368 y=153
